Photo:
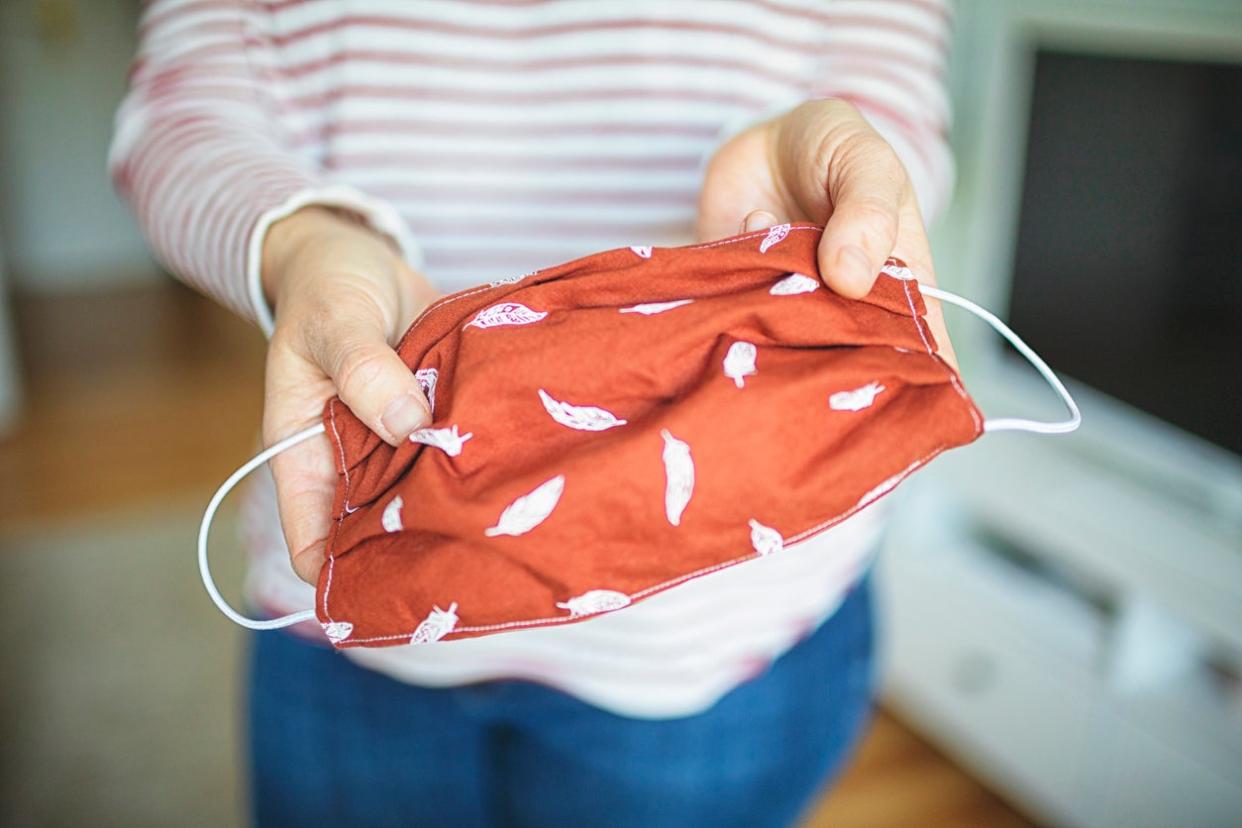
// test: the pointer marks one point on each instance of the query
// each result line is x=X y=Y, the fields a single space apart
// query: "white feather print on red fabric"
x=529 y=510
x=898 y=272
x=580 y=417
x=446 y=439
x=427 y=379
x=739 y=362
x=507 y=280
x=436 y=625
x=391 y=518
x=338 y=631
x=597 y=600
x=678 y=477
x=765 y=539
x=794 y=284
x=855 y=400
x=506 y=313
x=652 y=308
x=776 y=234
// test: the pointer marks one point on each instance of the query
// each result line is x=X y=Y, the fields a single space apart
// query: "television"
x=1127 y=267
x=1099 y=211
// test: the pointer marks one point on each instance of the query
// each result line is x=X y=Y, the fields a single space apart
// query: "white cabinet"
x=1013 y=668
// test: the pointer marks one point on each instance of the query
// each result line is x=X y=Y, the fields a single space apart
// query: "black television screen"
x=1128 y=268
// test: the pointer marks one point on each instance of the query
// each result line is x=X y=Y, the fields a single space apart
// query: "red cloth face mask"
x=618 y=425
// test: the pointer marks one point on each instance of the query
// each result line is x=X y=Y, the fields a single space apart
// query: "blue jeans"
x=335 y=744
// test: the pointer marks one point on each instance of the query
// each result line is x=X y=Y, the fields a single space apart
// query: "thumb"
x=867 y=197
x=376 y=385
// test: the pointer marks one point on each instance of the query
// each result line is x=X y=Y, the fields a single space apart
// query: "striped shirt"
x=496 y=137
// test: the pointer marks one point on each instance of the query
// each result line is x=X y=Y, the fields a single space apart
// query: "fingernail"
x=758 y=220
x=404 y=415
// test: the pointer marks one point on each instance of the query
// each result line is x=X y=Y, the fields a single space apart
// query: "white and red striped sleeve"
x=889 y=58
x=200 y=154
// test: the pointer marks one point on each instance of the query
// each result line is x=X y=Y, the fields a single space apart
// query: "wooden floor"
x=153 y=392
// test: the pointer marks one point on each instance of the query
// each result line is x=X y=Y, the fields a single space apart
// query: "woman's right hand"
x=342 y=297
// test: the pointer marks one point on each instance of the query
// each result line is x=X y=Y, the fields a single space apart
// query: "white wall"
x=62 y=74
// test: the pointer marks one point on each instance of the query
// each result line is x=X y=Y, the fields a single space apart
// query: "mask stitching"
x=340 y=450
x=961 y=392
x=747 y=237
x=914 y=314
x=643 y=593
x=448 y=300
x=970 y=406
x=327 y=589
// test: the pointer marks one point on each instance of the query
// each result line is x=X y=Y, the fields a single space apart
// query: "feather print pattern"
x=427 y=378
x=446 y=439
x=776 y=234
x=529 y=510
x=580 y=417
x=338 y=631
x=391 y=518
x=507 y=280
x=651 y=308
x=765 y=539
x=436 y=625
x=597 y=600
x=506 y=313
x=794 y=284
x=855 y=400
x=678 y=476
x=739 y=362
x=898 y=272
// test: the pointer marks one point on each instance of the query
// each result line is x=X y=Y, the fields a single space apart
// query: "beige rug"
x=119 y=681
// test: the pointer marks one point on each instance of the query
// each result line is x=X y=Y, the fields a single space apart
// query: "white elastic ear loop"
x=1009 y=423
x=204 y=568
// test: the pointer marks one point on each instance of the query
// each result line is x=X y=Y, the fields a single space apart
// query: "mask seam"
x=340 y=450
x=331 y=556
x=961 y=392
x=793 y=540
x=970 y=406
x=914 y=315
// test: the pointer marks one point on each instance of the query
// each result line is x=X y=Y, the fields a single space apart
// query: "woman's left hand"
x=823 y=163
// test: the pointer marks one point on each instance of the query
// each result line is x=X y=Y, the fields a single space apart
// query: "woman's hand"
x=342 y=297
x=823 y=163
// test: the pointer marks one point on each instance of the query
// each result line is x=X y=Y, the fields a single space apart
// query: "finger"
x=305 y=484
x=305 y=475
x=373 y=381
x=867 y=186
x=731 y=188
x=758 y=220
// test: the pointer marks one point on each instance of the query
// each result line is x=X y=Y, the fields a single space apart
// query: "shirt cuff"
x=379 y=215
